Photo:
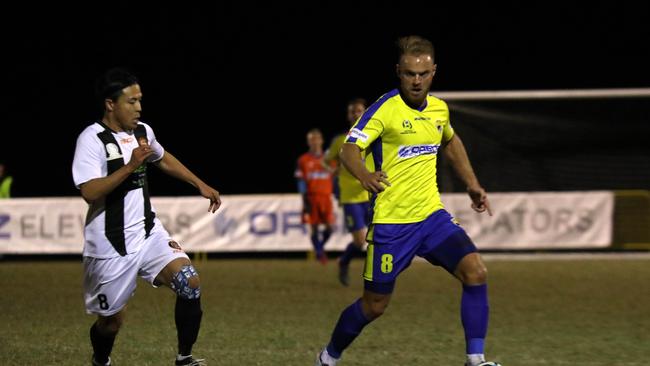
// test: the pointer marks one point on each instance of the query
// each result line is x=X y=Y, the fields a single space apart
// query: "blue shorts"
x=336 y=189
x=356 y=215
x=391 y=248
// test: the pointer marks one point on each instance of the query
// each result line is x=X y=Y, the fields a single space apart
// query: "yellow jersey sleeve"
x=332 y=153
x=364 y=133
x=447 y=130
x=370 y=126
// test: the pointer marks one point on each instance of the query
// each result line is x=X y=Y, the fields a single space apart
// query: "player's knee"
x=194 y=282
x=477 y=275
x=374 y=308
x=110 y=325
x=359 y=238
x=115 y=325
x=186 y=283
x=377 y=310
x=359 y=241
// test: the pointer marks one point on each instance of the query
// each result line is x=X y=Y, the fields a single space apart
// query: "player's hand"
x=375 y=182
x=211 y=194
x=306 y=209
x=139 y=155
x=480 y=201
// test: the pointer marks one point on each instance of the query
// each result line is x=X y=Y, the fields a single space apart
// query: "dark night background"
x=232 y=89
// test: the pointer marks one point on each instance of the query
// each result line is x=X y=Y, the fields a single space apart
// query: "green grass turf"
x=281 y=312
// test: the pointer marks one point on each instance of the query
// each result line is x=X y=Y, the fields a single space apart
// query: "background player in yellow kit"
x=405 y=129
x=354 y=198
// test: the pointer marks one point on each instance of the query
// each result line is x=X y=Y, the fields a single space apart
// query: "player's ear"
x=109 y=104
x=397 y=69
x=435 y=66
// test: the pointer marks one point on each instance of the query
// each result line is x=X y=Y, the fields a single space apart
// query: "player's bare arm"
x=455 y=151
x=331 y=159
x=350 y=156
x=302 y=189
x=97 y=188
x=331 y=166
x=172 y=166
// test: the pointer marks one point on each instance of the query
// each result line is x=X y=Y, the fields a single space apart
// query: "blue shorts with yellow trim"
x=357 y=215
x=391 y=248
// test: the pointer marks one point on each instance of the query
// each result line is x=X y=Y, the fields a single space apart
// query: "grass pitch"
x=281 y=312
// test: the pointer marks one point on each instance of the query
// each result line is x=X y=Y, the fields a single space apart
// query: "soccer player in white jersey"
x=123 y=238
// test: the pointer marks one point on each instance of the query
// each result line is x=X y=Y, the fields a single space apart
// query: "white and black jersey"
x=118 y=223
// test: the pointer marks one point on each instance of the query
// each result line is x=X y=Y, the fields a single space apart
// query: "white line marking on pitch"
x=511 y=257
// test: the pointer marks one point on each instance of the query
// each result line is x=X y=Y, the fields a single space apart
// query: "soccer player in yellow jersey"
x=405 y=129
x=354 y=198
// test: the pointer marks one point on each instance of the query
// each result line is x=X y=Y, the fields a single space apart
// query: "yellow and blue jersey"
x=404 y=143
x=351 y=190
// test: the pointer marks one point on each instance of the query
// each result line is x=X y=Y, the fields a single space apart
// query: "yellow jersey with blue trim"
x=404 y=143
x=351 y=190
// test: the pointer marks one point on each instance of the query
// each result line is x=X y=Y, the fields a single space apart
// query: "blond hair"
x=414 y=45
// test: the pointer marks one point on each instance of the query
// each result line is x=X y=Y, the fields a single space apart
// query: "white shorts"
x=109 y=283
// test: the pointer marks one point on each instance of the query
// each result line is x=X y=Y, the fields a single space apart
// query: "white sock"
x=179 y=357
x=475 y=359
x=108 y=363
x=327 y=357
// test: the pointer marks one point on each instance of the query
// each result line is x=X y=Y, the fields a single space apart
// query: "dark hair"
x=414 y=45
x=314 y=130
x=110 y=85
x=361 y=101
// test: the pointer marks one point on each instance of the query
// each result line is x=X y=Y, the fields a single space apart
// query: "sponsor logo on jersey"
x=174 y=245
x=318 y=175
x=411 y=151
x=422 y=118
x=439 y=123
x=113 y=151
x=126 y=140
x=358 y=134
x=408 y=127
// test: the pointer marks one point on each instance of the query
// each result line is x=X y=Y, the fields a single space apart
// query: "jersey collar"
x=420 y=109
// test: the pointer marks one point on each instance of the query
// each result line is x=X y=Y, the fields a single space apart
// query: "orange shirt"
x=317 y=178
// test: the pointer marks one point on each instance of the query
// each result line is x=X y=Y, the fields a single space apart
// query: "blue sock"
x=347 y=329
x=350 y=252
x=315 y=242
x=474 y=311
x=326 y=236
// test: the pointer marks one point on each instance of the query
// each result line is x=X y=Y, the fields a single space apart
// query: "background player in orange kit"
x=315 y=185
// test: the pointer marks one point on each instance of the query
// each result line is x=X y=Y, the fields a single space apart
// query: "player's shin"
x=349 y=326
x=188 y=311
x=316 y=243
x=188 y=316
x=102 y=345
x=327 y=233
x=350 y=252
x=474 y=315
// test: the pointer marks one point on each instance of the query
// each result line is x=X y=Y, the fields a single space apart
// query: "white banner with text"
x=535 y=220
